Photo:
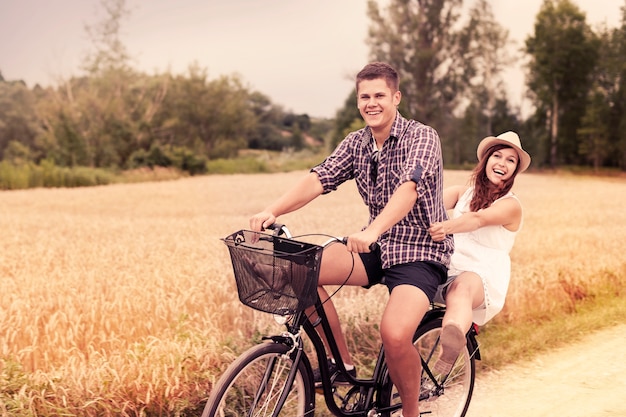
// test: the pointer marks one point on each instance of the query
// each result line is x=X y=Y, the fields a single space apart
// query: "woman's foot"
x=452 y=341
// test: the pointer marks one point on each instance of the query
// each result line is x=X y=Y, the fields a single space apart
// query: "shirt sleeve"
x=424 y=157
x=338 y=167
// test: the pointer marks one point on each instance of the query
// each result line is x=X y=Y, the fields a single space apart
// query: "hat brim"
x=489 y=141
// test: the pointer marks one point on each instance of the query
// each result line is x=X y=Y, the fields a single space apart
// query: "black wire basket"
x=274 y=274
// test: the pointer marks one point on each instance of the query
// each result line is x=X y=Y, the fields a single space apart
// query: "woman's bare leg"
x=463 y=295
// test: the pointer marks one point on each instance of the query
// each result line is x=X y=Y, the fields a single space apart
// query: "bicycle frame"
x=293 y=338
x=368 y=387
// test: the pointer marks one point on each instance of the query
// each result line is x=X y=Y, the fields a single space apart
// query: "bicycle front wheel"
x=448 y=399
x=253 y=386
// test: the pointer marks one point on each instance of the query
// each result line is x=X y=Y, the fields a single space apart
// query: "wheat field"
x=119 y=300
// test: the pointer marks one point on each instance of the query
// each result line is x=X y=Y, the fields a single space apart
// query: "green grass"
x=49 y=175
x=254 y=161
x=506 y=343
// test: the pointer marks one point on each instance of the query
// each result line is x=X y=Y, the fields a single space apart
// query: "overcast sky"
x=303 y=54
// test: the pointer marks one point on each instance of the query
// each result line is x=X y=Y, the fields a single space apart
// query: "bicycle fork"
x=294 y=341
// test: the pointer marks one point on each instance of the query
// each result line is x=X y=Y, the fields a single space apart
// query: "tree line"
x=120 y=118
x=114 y=116
x=451 y=57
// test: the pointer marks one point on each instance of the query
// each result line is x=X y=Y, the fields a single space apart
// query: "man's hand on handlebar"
x=260 y=221
x=362 y=242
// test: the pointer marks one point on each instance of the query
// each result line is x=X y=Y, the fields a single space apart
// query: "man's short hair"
x=376 y=70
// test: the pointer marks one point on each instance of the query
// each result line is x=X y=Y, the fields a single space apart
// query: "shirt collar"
x=397 y=128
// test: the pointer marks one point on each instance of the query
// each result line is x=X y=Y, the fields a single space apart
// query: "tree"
x=488 y=55
x=486 y=110
x=421 y=40
x=214 y=118
x=345 y=118
x=18 y=120
x=563 y=54
x=618 y=120
x=594 y=130
x=109 y=52
x=109 y=110
x=450 y=68
x=599 y=131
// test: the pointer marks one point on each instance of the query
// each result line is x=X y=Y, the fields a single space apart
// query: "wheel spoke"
x=253 y=385
x=439 y=397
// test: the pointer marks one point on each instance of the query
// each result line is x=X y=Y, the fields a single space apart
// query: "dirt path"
x=585 y=379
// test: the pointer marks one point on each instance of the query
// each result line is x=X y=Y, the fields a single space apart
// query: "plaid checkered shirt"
x=411 y=153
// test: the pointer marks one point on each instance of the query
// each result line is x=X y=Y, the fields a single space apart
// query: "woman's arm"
x=506 y=212
x=452 y=194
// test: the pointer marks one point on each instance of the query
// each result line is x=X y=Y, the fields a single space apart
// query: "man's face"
x=377 y=103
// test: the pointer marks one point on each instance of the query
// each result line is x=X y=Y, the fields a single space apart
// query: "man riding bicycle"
x=397 y=166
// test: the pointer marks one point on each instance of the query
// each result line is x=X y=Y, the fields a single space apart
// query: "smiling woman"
x=486 y=218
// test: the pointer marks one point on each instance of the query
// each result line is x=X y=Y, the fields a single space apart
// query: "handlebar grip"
x=372 y=247
x=278 y=228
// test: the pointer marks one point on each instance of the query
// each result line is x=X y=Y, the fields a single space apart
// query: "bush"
x=247 y=165
x=168 y=156
x=186 y=160
x=47 y=174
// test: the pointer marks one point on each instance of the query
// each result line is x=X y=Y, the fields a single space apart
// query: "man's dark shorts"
x=424 y=275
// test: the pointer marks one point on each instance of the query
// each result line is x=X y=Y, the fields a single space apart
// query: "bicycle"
x=279 y=275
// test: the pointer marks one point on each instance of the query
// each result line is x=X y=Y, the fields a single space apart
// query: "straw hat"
x=507 y=138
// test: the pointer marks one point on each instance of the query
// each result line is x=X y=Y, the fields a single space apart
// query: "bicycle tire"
x=246 y=388
x=458 y=387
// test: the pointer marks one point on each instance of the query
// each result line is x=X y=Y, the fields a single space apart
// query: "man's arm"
x=399 y=205
x=306 y=190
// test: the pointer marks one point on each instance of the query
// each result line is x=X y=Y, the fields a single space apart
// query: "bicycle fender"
x=433 y=314
x=471 y=338
x=279 y=339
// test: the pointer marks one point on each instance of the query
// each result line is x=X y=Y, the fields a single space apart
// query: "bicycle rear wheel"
x=452 y=398
x=253 y=384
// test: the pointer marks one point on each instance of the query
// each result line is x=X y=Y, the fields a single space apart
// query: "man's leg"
x=405 y=309
x=337 y=269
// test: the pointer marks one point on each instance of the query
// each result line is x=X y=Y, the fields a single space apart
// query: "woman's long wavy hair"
x=485 y=192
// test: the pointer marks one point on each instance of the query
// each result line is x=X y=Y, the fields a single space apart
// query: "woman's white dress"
x=484 y=251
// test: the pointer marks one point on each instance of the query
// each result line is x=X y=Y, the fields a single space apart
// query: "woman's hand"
x=437 y=231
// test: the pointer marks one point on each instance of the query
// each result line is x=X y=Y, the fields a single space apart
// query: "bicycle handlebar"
x=372 y=247
x=280 y=229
